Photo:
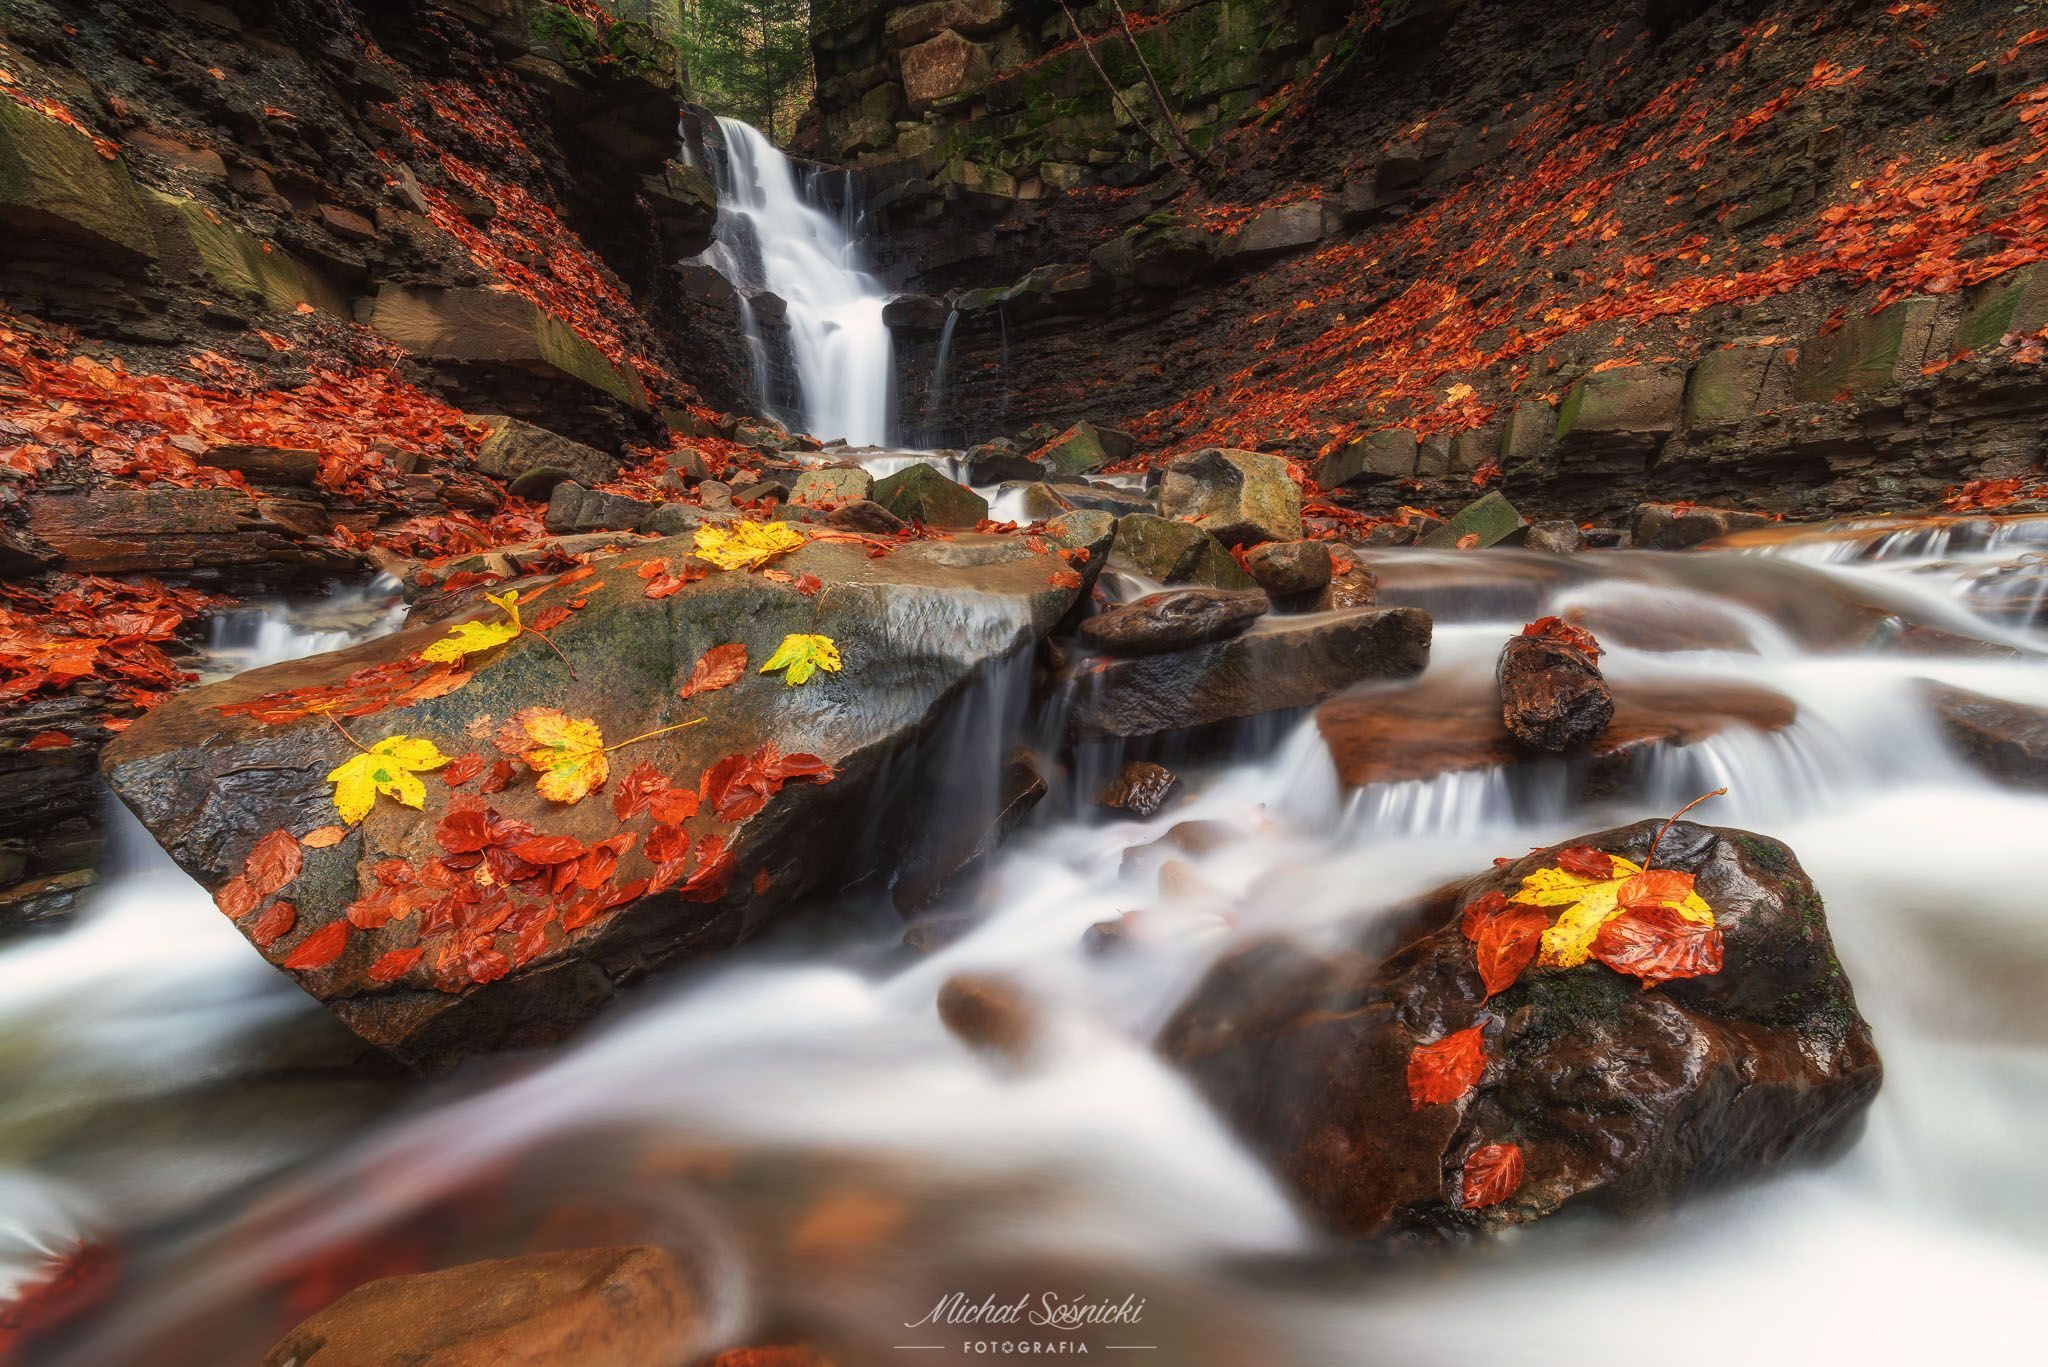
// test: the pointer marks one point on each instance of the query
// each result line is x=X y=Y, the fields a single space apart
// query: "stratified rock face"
x=1161 y=622
x=1614 y=1095
x=1552 y=696
x=599 y=1307
x=509 y=959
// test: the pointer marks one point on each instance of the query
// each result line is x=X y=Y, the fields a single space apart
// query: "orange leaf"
x=322 y=837
x=1586 y=862
x=321 y=948
x=49 y=740
x=394 y=964
x=236 y=898
x=273 y=925
x=1493 y=1173
x=273 y=863
x=1505 y=943
x=718 y=667
x=1657 y=944
x=1444 y=1070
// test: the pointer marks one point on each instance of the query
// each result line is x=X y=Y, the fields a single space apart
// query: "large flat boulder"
x=494 y=328
x=53 y=180
x=167 y=530
x=525 y=954
x=1280 y=663
x=1564 y=1086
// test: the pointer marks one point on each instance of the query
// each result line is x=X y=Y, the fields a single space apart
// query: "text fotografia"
x=1047 y=1311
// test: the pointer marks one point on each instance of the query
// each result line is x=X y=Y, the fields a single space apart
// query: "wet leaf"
x=273 y=925
x=1590 y=901
x=323 y=837
x=567 y=752
x=1446 y=1069
x=746 y=545
x=236 y=898
x=470 y=638
x=1586 y=862
x=392 y=966
x=462 y=769
x=1505 y=942
x=1493 y=1173
x=319 y=949
x=388 y=767
x=1658 y=943
x=1561 y=631
x=273 y=862
x=802 y=656
x=718 y=667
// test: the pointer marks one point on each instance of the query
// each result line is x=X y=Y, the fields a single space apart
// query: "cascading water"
x=795 y=1117
x=773 y=235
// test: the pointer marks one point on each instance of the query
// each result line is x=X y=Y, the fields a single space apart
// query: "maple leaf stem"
x=650 y=735
x=344 y=733
x=529 y=631
x=1650 y=858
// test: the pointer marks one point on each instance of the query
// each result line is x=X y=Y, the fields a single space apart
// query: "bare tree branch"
x=1088 y=46
x=1158 y=95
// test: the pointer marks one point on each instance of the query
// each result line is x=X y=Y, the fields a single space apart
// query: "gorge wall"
x=1780 y=254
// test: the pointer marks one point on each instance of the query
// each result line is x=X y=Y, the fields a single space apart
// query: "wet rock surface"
x=600 y=1307
x=1283 y=663
x=1173 y=620
x=1614 y=1095
x=1552 y=695
x=209 y=785
x=1140 y=789
x=2007 y=740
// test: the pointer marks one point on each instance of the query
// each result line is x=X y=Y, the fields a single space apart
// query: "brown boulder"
x=1290 y=569
x=1140 y=789
x=1612 y=1094
x=2007 y=740
x=1552 y=695
x=989 y=1013
x=599 y=1307
x=1174 y=620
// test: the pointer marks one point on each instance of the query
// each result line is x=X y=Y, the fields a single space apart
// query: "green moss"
x=1563 y=1004
x=1767 y=855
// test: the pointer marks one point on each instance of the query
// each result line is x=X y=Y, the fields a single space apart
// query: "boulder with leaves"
x=1465 y=1064
x=488 y=852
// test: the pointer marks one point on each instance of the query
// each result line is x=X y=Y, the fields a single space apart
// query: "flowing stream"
x=794 y=1117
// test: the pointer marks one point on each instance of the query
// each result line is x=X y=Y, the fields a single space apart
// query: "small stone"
x=1140 y=790
x=1171 y=552
x=1351 y=585
x=1552 y=695
x=1083 y=449
x=1290 y=569
x=1240 y=497
x=1556 y=536
x=1489 y=520
x=865 y=515
x=831 y=487
x=989 y=1013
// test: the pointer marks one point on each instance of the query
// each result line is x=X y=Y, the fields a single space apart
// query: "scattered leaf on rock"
x=718 y=667
x=321 y=948
x=567 y=752
x=388 y=767
x=323 y=837
x=1505 y=941
x=1444 y=1070
x=802 y=656
x=1493 y=1173
x=746 y=545
x=1658 y=943
x=1564 y=633
x=469 y=638
x=273 y=863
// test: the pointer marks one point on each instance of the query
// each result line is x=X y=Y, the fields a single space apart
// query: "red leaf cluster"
x=1564 y=633
x=1656 y=944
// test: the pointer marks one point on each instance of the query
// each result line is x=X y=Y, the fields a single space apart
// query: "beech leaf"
x=1493 y=1173
x=1444 y=1070
x=746 y=545
x=718 y=667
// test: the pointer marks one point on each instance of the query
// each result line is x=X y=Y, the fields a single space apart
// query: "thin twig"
x=344 y=733
x=1088 y=46
x=1718 y=792
x=650 y=735
x=1158 y=95
x=551 y=646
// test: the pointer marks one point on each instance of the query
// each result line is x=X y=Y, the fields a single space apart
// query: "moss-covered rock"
x=1171 y=552
x=53 y=179
x=1241 y=497
x=919 y=493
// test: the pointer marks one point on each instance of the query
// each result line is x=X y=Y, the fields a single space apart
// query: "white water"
x=774 y=236
x=734 y=1110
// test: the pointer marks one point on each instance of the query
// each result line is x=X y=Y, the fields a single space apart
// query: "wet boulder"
x=1290 y=569
x=532 y=460
x=696 y=838
x=1486 y=521
x=598 y=1307
x=1173 y=620
x=1171 y=552
x=1608 y=1093
x=1675 y=526
x=1140 y=789
x=1552 y=695
x=1239 y=497
x=2005 y=739
x=1281 y=663
x=1083 y=449
x=919 y=493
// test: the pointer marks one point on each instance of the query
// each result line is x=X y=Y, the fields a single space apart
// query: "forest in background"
x=750 y=59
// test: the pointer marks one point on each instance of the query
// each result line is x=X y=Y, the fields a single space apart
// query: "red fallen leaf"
x=1478 y=909
x=1557 y=629
x=465 y=829
x=779 y=576
x=762 y=882
x=718 y=667
x=550 y=618
x=1655 y=888
x=1655 y=944
x=713 y=874
x=497 y=778
x=273 y=925
x=236 y=898
x=808 y=585
x=321 y=948
x=273 y=863
x=1469 y=541
x=462 y=769
x=653 y=569
x=323 y=837
x=376 y=910
x=531 y=944
x=1066 y=579
x=1493 y=1173
x=677 y=804
x=665 y=843
x=392 y=966
x=665 y=586
x=436 y=685
x=1586 y=862
x=630 y=797
x=485 y=965
x=49 y=740
x=1506 y=942
x=550 y=849
x=1444 y=1070
x=579 y=573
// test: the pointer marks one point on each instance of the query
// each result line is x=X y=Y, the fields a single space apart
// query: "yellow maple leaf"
x=1588 y=903
x=803 y=656
x=746 y=545
x=470 y=637
x=388 y=767
x=567 y=752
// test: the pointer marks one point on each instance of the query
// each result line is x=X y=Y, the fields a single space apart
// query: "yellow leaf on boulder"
x=746 y=545
x=470 y=637
x=1590 y=902
x=388 y=767
x=567 y=752
x=803 y=656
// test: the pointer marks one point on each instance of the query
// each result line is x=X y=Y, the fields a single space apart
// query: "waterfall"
x=773 y=235
x=936 y=405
